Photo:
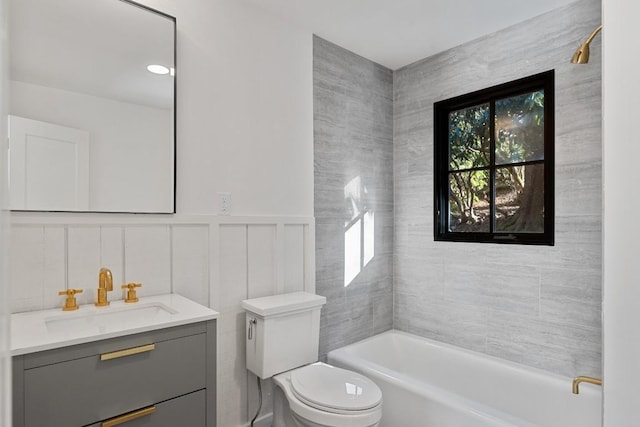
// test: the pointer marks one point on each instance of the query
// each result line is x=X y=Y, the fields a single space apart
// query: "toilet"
x=282 y=340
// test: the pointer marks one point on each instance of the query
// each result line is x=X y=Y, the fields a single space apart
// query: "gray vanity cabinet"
x=157 y=378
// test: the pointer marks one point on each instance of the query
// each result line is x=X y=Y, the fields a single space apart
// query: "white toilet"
x=282 y=342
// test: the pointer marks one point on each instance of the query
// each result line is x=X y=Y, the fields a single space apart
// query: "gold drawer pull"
x=127 y=352
x=129 y=417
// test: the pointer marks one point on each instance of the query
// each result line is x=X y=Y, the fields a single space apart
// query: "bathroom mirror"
x=91 y=128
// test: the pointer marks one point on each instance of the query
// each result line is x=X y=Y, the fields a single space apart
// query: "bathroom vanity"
x=135 y=371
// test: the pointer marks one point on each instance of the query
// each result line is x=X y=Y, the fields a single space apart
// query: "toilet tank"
x=282 y=332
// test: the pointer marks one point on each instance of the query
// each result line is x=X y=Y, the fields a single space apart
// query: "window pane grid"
x=492 y=182
x=497 y=166
x=501 y=187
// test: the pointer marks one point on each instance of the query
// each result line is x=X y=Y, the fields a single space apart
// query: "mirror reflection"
x=91 y=106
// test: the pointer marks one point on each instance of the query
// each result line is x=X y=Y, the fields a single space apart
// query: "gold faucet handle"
x=131 y=291
x=70 y=303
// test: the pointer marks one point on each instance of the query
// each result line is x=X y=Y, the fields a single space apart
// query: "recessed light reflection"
x=353 y=389
x=158 y=69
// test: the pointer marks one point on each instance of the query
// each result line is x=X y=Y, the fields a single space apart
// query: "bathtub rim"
x=348 y=358
x=494 y=359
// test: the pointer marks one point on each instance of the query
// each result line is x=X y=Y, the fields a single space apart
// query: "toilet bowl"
x=320 y=395
x=282 y=343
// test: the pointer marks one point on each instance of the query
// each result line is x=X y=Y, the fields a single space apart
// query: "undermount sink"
x=106 y=319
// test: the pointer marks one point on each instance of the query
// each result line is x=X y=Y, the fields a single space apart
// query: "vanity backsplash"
x=200 y=257
x=46 y=259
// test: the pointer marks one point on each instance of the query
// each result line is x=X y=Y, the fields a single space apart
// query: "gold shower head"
x=582 y=54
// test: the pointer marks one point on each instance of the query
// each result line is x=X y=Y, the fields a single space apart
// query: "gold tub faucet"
x=105 y=284
x=578 y=380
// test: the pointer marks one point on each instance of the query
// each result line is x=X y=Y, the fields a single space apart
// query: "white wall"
x=5 y=360
x=621 y=303
x=131 y=145
x=245 y=109
x=244 y=126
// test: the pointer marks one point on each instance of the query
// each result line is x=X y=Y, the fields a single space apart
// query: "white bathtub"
x=426 y=383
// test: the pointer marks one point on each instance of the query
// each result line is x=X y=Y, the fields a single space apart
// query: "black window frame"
x=542 y=81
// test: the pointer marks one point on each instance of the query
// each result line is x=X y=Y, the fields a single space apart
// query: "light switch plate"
x=224 y=203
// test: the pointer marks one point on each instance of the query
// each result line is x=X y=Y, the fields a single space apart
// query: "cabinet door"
x=188 y=410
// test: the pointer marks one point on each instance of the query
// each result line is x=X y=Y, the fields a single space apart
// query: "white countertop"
x=48 y=329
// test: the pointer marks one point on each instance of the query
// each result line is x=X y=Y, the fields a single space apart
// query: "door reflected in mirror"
x=92 y=107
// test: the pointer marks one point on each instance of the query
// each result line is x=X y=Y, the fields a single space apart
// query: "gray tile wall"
x=540 y=306
x=353 y=137
x=537 y=305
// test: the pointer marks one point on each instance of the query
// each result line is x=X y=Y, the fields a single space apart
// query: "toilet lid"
x=329 y=388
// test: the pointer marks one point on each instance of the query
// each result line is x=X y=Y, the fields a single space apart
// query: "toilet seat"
x=334 y=390
x=322 y=414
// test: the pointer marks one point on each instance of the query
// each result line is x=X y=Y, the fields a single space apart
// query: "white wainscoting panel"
x=147 y=258
x=261 y=260
x=111 y=256
x=53 y=272
x=293 y=256
x=233 y=267
x=37 y=267
x=190 y=262
x=84 y=262
x=26 y=278
x=216 y=261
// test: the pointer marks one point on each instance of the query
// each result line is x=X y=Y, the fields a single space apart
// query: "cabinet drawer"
x=188 y=411
x=80 y=391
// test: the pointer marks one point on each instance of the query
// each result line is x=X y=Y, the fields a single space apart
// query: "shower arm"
x=581 y=56
x=593 y=34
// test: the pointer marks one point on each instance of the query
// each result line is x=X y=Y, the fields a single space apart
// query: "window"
x=494 y=164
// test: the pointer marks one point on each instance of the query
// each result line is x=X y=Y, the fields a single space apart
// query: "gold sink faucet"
x=105 y=284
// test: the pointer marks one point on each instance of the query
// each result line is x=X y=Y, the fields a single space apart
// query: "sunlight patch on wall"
x=359 y=234
x=368 y=237
x=352 y=237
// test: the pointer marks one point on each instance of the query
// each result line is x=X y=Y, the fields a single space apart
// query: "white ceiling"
x=395 y=33
x=55 y=44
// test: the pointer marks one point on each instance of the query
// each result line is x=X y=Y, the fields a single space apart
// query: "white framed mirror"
x=91 y=129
